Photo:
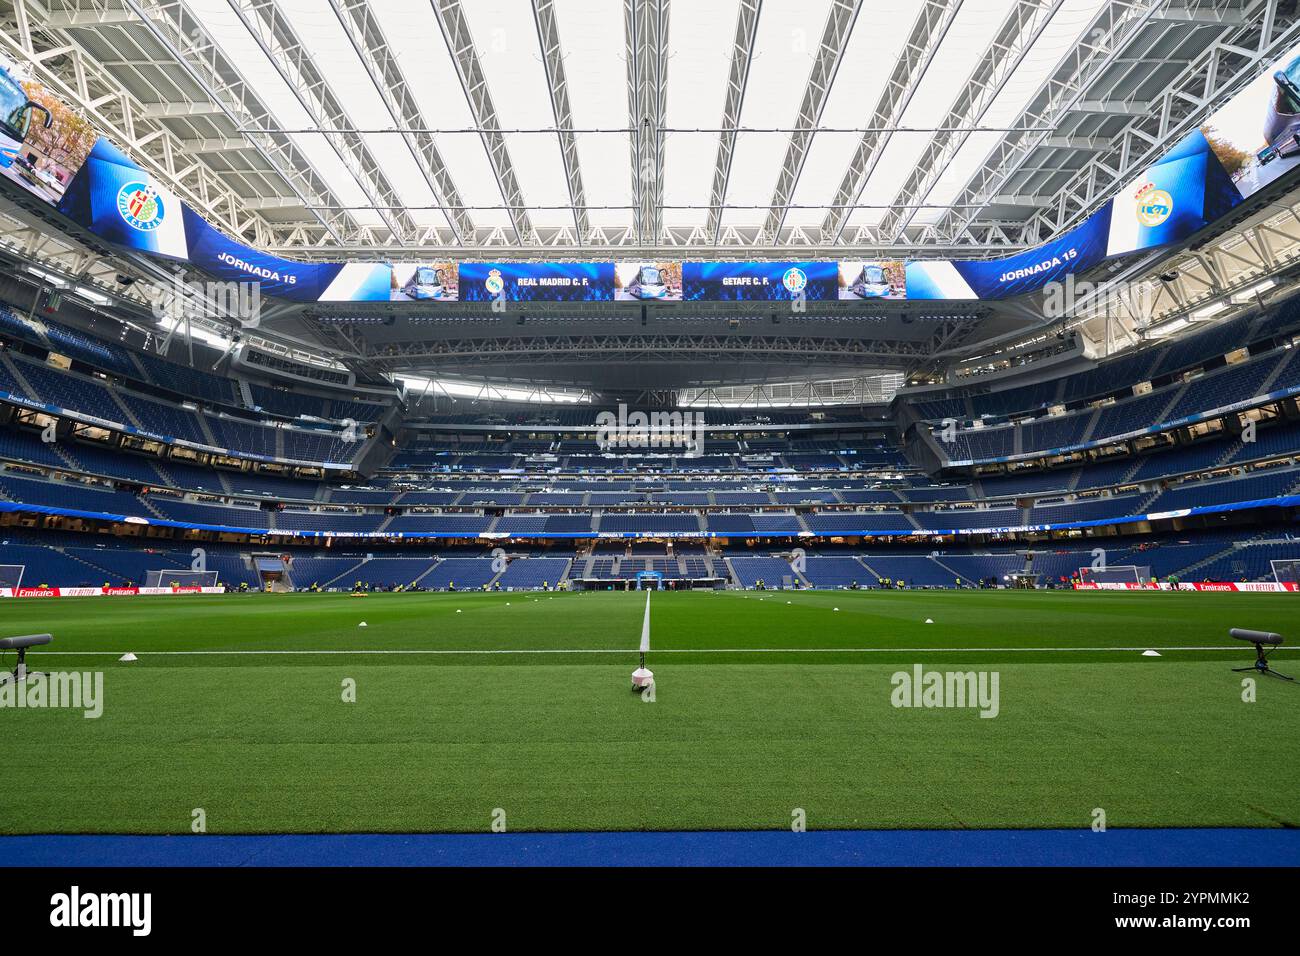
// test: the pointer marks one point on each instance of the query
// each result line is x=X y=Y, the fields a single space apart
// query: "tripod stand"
x=1261 y=665
x=20 y=673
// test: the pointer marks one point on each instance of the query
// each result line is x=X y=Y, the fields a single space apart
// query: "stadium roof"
x=568 y=128
x=424 y=130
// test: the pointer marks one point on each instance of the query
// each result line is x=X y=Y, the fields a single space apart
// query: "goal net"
x=11 y=575
x=186 y=579
x=1116 y=574
x=1285 y=570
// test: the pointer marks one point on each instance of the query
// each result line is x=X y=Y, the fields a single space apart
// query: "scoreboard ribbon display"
x=536 y=281
x=120 y=202
x=1173 y=199
x=1249 y=142
x=759 y=281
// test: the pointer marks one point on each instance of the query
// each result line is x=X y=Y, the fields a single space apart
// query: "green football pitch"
x=475 y=708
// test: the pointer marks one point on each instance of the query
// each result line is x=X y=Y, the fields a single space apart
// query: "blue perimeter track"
x=1116 y=847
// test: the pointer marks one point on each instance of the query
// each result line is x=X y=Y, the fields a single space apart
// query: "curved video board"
x=51 y=152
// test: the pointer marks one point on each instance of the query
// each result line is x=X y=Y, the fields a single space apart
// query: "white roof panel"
x=785 y=48
x=591 y=34
x=593 y=50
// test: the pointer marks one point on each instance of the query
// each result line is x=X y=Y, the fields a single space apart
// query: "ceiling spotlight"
x=1170 y=276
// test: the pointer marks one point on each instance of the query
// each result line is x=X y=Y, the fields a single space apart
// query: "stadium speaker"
x=1260 y=639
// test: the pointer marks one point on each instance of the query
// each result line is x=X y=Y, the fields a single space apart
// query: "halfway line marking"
x=664 y=650
x=645 y=625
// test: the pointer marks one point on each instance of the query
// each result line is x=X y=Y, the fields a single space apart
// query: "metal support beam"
x=172 y=25
x=473 y=81
x=830 y=53
x=50 y=55
x=928 y=32
x=1225 y=65
x=276 y=37
x=359 y=22
x=1120 y=26
x=742 y=50
x=175 y=110
x=1022 y=27
x=646 y=34
x=548 y=38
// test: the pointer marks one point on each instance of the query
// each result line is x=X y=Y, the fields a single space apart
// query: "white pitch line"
x=645 y=626
x=662 y=650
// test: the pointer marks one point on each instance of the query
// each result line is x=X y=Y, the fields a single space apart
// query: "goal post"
x=11 y=575
x=1116 y=574
x=184 y=578
x=1286 y=570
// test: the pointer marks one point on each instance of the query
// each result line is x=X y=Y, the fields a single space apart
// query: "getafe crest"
x=140 y=206
x=794 y=280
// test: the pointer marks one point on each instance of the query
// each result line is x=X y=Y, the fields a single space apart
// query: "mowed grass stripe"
x=724 y=746
x=680 y=621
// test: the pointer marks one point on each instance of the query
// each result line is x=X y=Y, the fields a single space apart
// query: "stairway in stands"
x=69 y=459
x=875 y=575
x=956 y=575
x=107 y=574
x=733 y=579
x=16 y=374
